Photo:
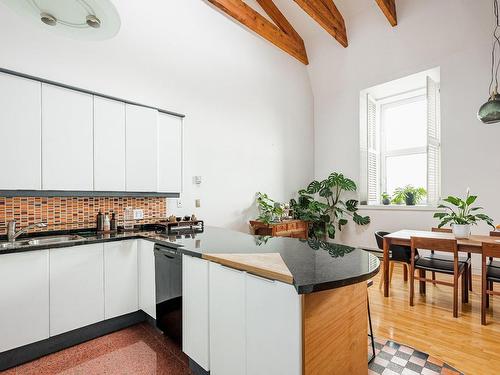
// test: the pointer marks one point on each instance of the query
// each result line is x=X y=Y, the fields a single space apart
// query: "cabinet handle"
x=261 y=278
x=230 y=269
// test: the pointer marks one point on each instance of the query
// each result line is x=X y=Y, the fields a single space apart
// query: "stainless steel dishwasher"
x=168 y=267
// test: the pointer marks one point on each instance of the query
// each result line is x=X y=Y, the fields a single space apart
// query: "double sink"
x=49 y=240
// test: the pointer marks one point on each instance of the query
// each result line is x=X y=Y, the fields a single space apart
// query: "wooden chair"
x=490 y=274
x=450 y=258
x=424 y=264
x=398 y=254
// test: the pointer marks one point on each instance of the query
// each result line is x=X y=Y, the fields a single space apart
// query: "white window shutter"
x=373 y=151
x=433 y=142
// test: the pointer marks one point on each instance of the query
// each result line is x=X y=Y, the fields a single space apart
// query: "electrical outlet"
x=138 y=214
x=179 y=203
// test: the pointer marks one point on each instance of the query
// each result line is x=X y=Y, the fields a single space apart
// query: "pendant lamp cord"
x=496 y=42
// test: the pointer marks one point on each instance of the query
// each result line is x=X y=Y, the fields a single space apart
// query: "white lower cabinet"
x=273 y=328
x=255 y=324
x=147 y=285
x=76 y=287
x=195 y=337
x=120 y=278
x=227 y=321
x=24 y=298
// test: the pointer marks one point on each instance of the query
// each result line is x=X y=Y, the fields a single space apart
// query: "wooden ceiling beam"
x=278 y=18
x=282 y=36
x=327 y=15
x=388 y=7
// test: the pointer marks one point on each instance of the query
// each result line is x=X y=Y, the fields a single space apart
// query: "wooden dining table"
x=474 y=244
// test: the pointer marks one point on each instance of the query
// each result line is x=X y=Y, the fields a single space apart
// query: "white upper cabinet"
x=109 y=145
x=169 y=154
x=76 y=287
x=20 y=132
x=141 y=149
x=24 y=298
x=67 y=139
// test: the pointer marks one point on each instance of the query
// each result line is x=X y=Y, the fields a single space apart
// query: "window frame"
x=412 y=96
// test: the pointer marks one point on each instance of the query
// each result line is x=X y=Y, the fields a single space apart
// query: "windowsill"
x=397 y=207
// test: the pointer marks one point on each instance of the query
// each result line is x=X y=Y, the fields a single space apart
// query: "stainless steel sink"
x=40 y=241
x=54 y=239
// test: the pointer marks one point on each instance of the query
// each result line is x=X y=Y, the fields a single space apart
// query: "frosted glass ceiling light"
x=79 y=19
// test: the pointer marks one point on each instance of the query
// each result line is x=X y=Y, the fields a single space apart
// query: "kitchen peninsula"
x=250 y=305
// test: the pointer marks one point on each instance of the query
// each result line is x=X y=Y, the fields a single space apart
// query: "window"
x=400 y=137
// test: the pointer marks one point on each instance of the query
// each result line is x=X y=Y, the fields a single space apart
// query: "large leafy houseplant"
x=269 y=210
x=461 y=215
x=321 y=205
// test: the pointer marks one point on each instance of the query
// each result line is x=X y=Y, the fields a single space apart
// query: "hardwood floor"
x=429 y=326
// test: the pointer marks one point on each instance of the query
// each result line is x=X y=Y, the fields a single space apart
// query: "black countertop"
x=315 y=265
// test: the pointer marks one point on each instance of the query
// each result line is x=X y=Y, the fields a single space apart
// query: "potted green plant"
x=459 y=213
x=269 y=210
x=409 y=194
x=321 y=205
x=386 y=199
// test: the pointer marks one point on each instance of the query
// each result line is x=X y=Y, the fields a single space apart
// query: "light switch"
x=197 y=203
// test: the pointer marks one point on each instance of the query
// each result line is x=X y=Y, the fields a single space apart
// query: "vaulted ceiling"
x=268 y=18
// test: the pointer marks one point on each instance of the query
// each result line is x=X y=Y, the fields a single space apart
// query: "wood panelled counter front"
x=285 y=228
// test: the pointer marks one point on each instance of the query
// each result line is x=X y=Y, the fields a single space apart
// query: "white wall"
x=452 y=34
x=249 y=107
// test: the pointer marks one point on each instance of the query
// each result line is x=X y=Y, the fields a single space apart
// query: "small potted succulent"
x=409 y=194
x=386 y=199
x=459 y=213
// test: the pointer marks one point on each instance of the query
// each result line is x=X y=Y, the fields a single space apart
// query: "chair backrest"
x=442 y=230
x=491 y=250
x=379 y=236
x=437 y=244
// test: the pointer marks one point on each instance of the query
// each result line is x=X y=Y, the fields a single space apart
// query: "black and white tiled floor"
x=393 y=359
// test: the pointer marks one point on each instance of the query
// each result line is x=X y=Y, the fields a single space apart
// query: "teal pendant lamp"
x=489 y=113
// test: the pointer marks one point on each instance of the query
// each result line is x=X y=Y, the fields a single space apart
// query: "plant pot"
x=410 y=199
x=386 y=201
x=461 y=230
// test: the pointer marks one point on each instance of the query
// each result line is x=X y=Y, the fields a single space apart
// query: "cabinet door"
x=227 y=321
x=142 y=149
x=169 y=153
x=147 y=286
x=76 y=287
x=20 y=132
x=67 y=140
x=24 y=298
x=109 y=145
x=195 y=337
x=120 y=278
x=273 y=327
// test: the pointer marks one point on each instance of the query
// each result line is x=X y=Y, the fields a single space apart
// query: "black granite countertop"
x=315 y=265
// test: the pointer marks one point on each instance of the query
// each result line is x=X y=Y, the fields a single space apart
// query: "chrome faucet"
x=11 y=229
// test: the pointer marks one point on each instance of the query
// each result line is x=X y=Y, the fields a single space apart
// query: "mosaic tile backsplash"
x=62 y=213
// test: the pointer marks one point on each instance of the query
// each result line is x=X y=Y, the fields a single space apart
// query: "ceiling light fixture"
x=79 y=19
x=489 y=112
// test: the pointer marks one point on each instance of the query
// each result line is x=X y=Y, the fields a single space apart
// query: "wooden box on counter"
x=285 y=228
